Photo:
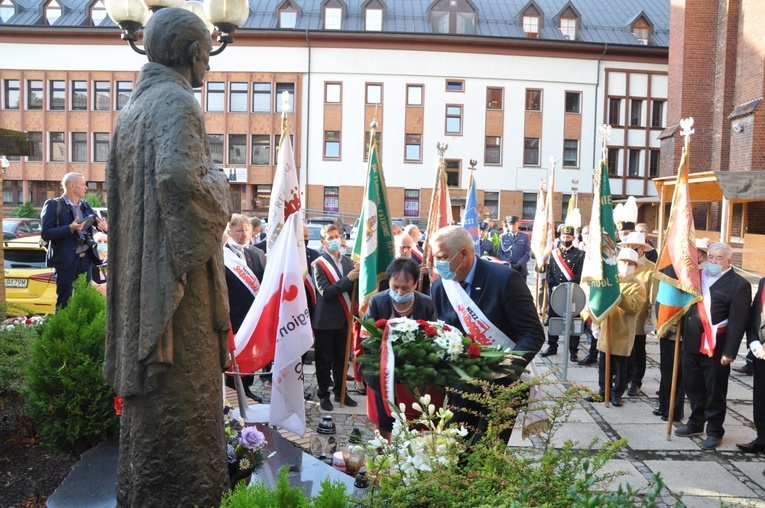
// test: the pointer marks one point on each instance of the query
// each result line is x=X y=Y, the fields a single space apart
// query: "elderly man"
x=515 y=246
x=405 y=247
x=167 y=317
x=499 y=306
x=711 y=341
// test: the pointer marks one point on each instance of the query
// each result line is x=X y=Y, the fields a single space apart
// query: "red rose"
x=380 y=323
x=447 y=327
x=474 y=351
x=422 y=323
x=430 y=331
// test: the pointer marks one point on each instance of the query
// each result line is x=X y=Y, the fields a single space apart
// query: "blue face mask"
x=444 y=270
x=713 y=269
x=334 y=245
x=400 y=298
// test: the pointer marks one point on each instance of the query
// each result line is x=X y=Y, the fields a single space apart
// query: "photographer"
x=68 y=224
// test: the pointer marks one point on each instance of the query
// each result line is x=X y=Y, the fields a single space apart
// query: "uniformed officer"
x=486 y=245
x=515 y=246
x=565 y=265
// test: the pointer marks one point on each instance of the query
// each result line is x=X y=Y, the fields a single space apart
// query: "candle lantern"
x=324 y=440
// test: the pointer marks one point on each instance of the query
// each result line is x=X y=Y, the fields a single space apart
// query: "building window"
x=531 y=26
x=642 y=31
x=493 y=152
x=570 y=153
x=491 y=204
x=332 y=93
x=277 y=140
x=653 y=164
x=79 y=95
x=101 y=90
x=98 y=13
x=11 y=94
x=531 y=152
x=374 y=94
x=290 y=89
x=454 y=119
x=613 y=161
x=215 y=96
x=378 y=142
x=124 y=91
x=529 y=210
x=533 y=100
x=34 y=94
x=636 y=113
x=7 y=10
x=198 y=95
x=373 y=19
x=411 y=202
x=414 y=95
x=333 y=18
x=261 y=150
x=288 y=15
x=100 y=146
x=332 y=199
x=36 y=139
x=455 y=85
x=454 y=17
x=413 y=149
x=332 y=144
x=79 y=147
x=568 y=28
x=52 y=12
x=216 y=148
x=57 y=98
x=453 y=172
x=261 y=97
x=57 y=147
x=657 y=114
x=573 y=102
x=633 y=167
x=614 y=111
x=237 y=149
x=494 y=98
x=237 y=97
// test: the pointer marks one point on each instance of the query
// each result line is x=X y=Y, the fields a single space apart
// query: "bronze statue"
x=167 y=313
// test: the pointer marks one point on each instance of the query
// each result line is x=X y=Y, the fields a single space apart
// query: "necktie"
x=465 y=286
x=240 y=253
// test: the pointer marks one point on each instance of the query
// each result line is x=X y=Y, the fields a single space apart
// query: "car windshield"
x=24 y=258
x=314 y=233
x=8 y=225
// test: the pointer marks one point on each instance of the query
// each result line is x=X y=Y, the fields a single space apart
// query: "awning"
x=704 y=187
x=742 y=185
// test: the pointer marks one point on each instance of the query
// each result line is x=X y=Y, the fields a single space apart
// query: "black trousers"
x=330 y=359
x=618 y=374
x=637 y=361
x=666 y=359
x=758 y=395
x=706 y=384
x=64 y=281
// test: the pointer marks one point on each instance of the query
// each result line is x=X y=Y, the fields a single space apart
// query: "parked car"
x=30 y=287
x=314 y=236
x=329 y=220
x=21 y=227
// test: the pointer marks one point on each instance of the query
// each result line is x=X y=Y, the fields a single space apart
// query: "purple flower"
x=230 y=454
x=252 y=439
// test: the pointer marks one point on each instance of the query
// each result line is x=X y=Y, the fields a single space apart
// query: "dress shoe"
x=687 y=432
x=594 y=398
x=589 y=359
x=710 y=443
x=658 y=412
x=361 y=390
x=616 y=400
x=665 y=418
x=753 y=447
x=325 y=404
x=550 y=351
x=348 y=401
x=574 y=357
x=742 y=370
x=634 y=391
x=251 y=395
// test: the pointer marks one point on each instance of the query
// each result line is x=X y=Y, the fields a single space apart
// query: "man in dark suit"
x=727 y=298
x=754 y=338
x=69 y=252
x=258 y=235
x=565 y=265
x=333 y=275
x=499 y=292
x=515 y=246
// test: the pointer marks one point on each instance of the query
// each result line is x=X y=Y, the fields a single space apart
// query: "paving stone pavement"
x=722 y=477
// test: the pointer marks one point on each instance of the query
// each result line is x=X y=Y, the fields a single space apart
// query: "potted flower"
x=243 y=448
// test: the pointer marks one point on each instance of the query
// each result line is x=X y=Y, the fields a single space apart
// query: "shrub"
x=93 y=199
x=67 y=397
x=15 y=351
x=27 y=211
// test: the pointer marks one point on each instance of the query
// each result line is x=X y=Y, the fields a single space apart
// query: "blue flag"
x=470 y=221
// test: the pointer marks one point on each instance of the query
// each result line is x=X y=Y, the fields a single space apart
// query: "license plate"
x=16 y=283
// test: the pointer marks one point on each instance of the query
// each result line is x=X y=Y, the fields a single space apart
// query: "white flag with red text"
x=285 y=192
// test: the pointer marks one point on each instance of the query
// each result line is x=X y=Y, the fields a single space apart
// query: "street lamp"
x=222 y=16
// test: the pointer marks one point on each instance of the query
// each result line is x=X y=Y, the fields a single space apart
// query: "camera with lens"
x=86 y=240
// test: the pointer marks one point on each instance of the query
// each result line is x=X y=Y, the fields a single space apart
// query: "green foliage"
x=93 y=199
x=67 y=396
x=27 y=211
x=15 y=351
x=257 y=495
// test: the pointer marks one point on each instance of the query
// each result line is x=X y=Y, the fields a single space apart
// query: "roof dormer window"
x=333 y=12
x=289 y=13
x=97 y=12
x=531 y=26
x=568 y=28
x=531 y=19
x=641 y=27
x=7 y=10
x=52 y=12
x=453 y=16
x=568 y=21
x=374 y=15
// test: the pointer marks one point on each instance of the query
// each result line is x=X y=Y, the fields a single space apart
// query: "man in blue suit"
x=515 y=246
x=500 y=293
x=71 y=249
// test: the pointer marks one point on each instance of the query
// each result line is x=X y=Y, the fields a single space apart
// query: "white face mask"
x=626 y=269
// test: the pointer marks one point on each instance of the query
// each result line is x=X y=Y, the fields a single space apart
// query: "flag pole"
x=433 y=216
x=607 y=346
x=675 y=374
x=348 y=337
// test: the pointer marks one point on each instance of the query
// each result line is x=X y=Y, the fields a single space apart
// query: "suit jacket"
x=731 y=299
x=239 y=297
x=755 y=317
x=516 y=250
x=502 y=295
x=329 y=313
x=311 y=255
x=574 y=259
x=63 y=242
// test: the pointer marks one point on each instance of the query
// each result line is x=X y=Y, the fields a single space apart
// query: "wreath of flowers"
x=243 y=447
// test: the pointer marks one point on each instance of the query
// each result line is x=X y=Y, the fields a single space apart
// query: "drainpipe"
x=308 y=125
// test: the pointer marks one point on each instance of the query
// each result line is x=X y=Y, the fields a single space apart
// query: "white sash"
x=561 y=262
x=477 y=325
x=239 y=268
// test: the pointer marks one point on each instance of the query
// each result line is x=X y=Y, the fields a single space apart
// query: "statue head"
x=178 y=39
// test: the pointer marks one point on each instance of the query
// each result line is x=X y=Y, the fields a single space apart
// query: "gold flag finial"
x=604 y=133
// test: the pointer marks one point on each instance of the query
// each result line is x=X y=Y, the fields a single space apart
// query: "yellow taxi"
x=30 y=287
